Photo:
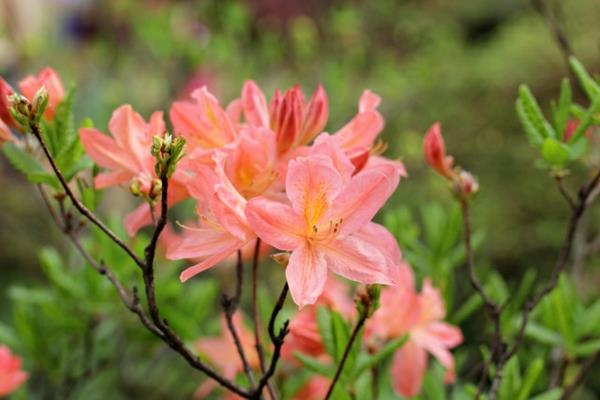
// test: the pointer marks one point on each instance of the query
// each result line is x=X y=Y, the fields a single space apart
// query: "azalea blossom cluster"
x=268 y=171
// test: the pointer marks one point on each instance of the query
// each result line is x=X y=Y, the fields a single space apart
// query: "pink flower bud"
x=466 y=184
x=288 y=118
x=316 y=116
x=435 y=152
x=51 y=81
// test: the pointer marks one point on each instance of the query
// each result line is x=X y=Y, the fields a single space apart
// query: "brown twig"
x=278 y=339
x=230 y=305
x=35 y=129
x=359 y=324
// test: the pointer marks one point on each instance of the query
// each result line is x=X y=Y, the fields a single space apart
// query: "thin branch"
x=564 y=192
x=340 y=368
x=35 y=129
x=230 y=305
x=278 y=339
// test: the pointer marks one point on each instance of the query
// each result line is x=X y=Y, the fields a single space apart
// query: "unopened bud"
x=39 y=103
x=367 y=300
x=136 y=188
x=465 y=185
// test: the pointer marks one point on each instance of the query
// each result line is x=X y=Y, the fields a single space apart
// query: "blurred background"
x=454 y=61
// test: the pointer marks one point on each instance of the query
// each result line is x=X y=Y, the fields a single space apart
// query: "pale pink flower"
x=11 y=374
x=51 y=81
x=435 y=152
x=127 y=157
x=223 y=228
x=404 y=311
x=321 y=225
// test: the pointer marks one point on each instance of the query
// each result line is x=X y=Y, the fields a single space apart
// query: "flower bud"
x=51 y=81
x=5 y=115
x=288 y=119
x=465 y=185
x=435 y=152
x=316 y=116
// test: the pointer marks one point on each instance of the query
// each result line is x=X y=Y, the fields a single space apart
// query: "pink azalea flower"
x=404 y=311
x=222 y=352
x=294 y=121
x=11 y=375
x=435 y=152
x=51 y=81
x=126 y=155
x=322 y=223
x=223 y=228
x=304 y=336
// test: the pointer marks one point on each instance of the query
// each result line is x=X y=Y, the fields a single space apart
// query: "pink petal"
x=306 y=275
x=254 y=104
x=398 y=313
x=357 y=260
x=275 y=223
x=361 y=131
x=316 y=116
x=137 y=219
x=447 y=335
x=131 y=133
x=311 y=185
x=364 y=195
x=369 y=101
x=432 y=303
x=408 y=369
x=105 y=151
x=234 y=111
x=5 y=115
x=106 y=179
x=327 y=146
x=215 y=124
x=51 y=81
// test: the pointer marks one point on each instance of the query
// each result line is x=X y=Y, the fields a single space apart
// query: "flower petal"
x=276 y=223
x=132 y=134
x=361 y=131
x=105 y=151
x=369 y=101
x=254 y=104
x=357 y=260
x=408 y=369
x=311 y=185
x=306 y=275
x=364 y=195
x=106 y=179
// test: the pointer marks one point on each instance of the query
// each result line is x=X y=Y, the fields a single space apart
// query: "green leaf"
x=511 y=381
x=22 y=161
x=555 y=153
x=589 y=324
x=387 y=350
x=531 y=375
x=586 y=348
x=53 y=267
x=341 y=335
x=535 y=124
x=543 y=335
x=561 y=110
x=324 y=324
x=315 y=365
x=552 y=394
x=591 y=87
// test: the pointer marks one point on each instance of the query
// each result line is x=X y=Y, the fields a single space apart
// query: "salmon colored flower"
x=222 y=352
x=11 y=374
x=321 y=224
x=5 y=115
x=295 y=122
x=404 y=311
x=51 y=81
x=435 y=152
x=127 y=157
x=304 y=336
x=223 y=228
